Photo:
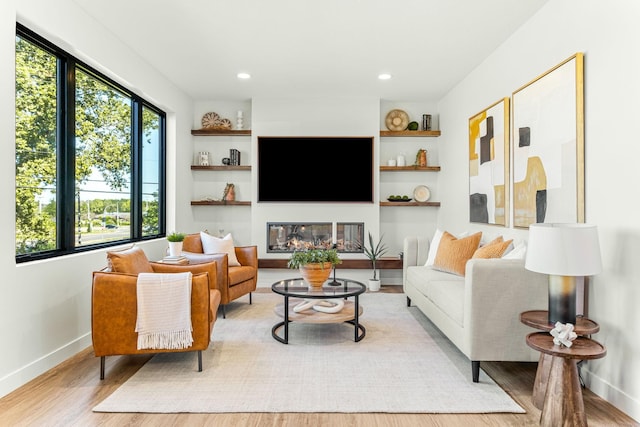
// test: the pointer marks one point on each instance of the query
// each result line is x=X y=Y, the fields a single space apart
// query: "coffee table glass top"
x=299 y=288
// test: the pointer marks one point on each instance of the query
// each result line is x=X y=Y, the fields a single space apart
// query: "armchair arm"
x=415 y=252
x=247 y=255
x=210 y=267
x=496 y=292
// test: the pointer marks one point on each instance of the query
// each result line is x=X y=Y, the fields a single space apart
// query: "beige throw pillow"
x=454 y=253
x=493 y=249
x=215 y=245
x=130 y=260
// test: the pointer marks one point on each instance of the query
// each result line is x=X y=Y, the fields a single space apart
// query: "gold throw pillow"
x=454 y=253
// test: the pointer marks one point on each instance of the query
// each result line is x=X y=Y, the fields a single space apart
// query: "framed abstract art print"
x=548 y=146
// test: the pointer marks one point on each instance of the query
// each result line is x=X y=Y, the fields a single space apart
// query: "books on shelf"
x=176 y=259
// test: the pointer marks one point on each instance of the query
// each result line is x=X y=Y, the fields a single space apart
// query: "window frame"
x=65 y=155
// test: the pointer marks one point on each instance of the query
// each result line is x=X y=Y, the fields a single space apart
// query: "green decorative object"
x=413 y=126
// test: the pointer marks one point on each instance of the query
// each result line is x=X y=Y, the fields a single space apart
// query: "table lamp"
x=564 y=252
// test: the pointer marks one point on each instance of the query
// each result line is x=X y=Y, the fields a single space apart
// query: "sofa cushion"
x=494 y=249
x=240 y=274
x=453 y=253
x=131 y=261
x=444 y=290
x=215 y=245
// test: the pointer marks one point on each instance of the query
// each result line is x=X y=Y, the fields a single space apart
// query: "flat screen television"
x=315 y=169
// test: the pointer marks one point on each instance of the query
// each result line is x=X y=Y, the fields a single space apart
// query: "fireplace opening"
x=292 y=236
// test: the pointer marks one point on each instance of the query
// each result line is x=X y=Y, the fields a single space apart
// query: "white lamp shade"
x=564 y=249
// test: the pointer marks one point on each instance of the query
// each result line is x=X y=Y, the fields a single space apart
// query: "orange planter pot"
x=315 y=274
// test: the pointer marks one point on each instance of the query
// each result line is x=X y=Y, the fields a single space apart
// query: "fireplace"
x=291 y=236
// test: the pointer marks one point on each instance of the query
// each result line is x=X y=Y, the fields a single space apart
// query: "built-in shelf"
x=220 y=168
x=219 y=132
x=409 y=168
x=433 y=204
x=383 y=263
x=220 y=203
x=415 y=133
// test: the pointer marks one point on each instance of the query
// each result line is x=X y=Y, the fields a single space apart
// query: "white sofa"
x=480 y=312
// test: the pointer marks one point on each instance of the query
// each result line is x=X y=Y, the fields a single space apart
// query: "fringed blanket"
x=164 y=311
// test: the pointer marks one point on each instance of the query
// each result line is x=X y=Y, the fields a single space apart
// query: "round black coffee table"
x=299 y=291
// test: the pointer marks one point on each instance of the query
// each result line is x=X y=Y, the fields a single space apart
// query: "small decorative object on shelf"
x=400 y=160
x=203 y=158
x=226 y=161
x=234 y=156
x=563 y=334
x=391 y=162
x=229 y=194
x=214 y=121
x=413 y=126
x=421 y=158
x=239 y=120
x=426 y=122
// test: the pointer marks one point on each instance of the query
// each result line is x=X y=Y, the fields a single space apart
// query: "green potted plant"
x=175 y=243
x=374 y=252
x=314 y=264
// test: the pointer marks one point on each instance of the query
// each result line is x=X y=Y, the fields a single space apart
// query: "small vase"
x=175 y=248
x=422 y=158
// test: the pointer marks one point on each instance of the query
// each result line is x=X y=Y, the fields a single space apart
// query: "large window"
x=89 y=156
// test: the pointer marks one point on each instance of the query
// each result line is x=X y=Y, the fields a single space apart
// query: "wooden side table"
x=539 y=319
x=563 y=404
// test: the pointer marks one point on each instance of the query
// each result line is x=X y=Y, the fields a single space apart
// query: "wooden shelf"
x=433 y=204
x=219 y=203
x=414 y=133
x=220 y=132
x=386 y=263
x=220 y=168
x=409 y=168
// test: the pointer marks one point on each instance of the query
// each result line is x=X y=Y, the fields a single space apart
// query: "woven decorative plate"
x=214 y=121
x=421 y=193
x=396 y=120
x=210 y=120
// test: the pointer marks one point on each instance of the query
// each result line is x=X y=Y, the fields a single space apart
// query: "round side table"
x=539 y=319
x=563 y=404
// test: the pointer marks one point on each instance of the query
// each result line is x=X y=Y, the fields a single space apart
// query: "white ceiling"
x=313 y=48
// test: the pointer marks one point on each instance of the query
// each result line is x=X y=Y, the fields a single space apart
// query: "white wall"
x=45 y=306
x=608 y=36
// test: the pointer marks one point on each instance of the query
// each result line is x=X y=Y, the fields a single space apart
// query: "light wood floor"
x=65 y=395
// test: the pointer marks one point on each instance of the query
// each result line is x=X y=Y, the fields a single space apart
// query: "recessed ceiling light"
x=384 y=76
x=244 y=76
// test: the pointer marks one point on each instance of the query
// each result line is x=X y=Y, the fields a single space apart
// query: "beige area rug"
x=403 y=365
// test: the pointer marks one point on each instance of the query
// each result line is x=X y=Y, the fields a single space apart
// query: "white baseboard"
x=23 y=375
x=611 y=394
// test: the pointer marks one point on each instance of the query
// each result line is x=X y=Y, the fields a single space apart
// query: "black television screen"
x=315 y=169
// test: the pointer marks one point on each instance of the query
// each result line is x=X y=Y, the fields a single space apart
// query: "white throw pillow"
x=215 y=245
x=518 y=252
x=433 y=247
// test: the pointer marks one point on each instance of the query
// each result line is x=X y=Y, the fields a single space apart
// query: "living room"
x=49 y=301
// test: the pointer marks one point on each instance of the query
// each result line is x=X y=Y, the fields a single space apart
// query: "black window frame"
x=65 y=175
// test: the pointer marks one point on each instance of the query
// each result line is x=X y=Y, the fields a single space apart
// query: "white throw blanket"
x=164 y=311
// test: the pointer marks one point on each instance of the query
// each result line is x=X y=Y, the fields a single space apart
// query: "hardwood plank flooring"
x=65 y=395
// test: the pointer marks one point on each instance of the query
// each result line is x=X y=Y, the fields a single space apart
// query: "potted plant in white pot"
x=314 y=264
x=175 y=243
x=374 y=252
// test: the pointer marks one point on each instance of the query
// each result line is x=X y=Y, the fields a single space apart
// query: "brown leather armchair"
x=232 y=281
x=114 y=305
